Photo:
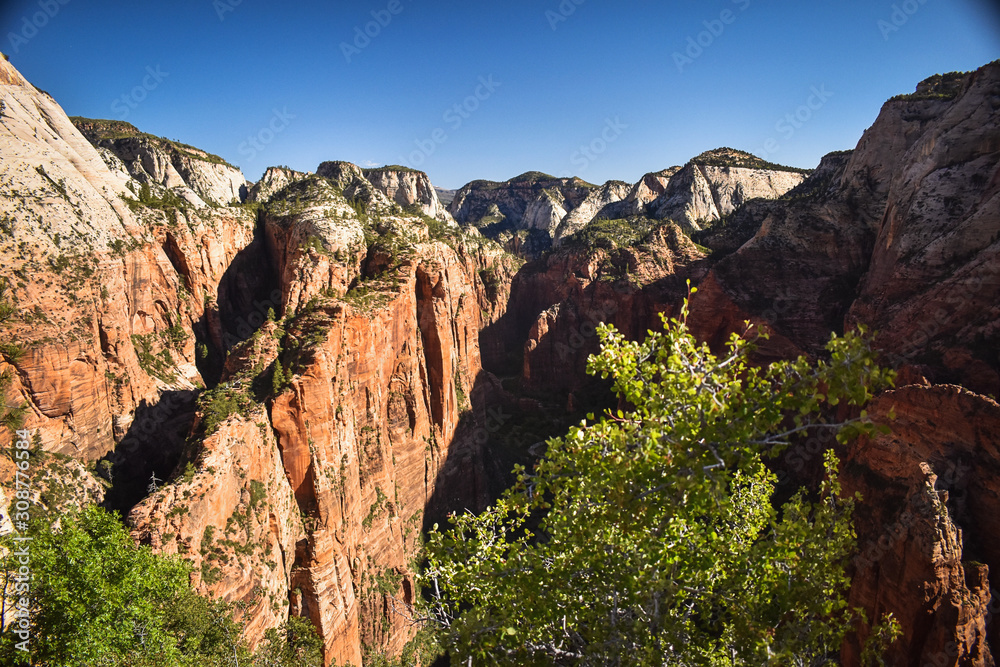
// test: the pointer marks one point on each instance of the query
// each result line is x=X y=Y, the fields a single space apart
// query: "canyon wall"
x=146 y=308
x=311 y=378
x=901 y=235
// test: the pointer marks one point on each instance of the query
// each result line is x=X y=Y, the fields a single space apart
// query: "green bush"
x=101 y=600
x=653 y=536
x=258 y=492
x=612 y=234
x=219 y=404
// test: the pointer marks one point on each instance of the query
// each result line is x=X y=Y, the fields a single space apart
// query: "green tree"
x=11 y=416
x=99 y=600
x=278 y=380
x=295 y=643
x=652 y=536
x=96 y=598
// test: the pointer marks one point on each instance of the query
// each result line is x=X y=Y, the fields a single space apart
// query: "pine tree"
x=278 y=381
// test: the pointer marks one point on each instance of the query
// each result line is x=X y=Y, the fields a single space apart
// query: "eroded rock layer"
x=286 y=392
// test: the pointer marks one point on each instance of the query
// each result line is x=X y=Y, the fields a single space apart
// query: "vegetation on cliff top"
x=98 y=599
x=731 y=157
x=612 y=234
x=99 y=129
x=938 y=87
x=652 y=536
x=392 y=167
x=532 y=178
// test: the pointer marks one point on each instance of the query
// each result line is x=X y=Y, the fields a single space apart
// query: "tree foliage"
x=99 y=600
x=11 y=416
x=652 y=536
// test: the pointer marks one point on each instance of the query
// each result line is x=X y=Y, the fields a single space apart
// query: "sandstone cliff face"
x=356 y=443
x=409 y=188
x=343 y=174
x=234 y=518
x=198 y=177
x=700 y=194
x=273 y=181
x=365 y=429
x=932 y=290
x=558 y=301
x=108 y=298
x=512 y=198
x=936 y=471
x=899 y=235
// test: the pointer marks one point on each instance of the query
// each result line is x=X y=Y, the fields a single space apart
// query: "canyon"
x=316 y=367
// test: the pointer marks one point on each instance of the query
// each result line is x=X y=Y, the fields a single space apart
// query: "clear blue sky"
x=608 y=69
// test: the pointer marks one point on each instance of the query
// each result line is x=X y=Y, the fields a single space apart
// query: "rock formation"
x=597 y=203
x=274 y=180
x=409 y=188
x=331 y=366
x=109 y=294
x=198 y=177
x=530 y=202
x=306 y=496
x=707 y=189
x=934 y=474
x=714 y=184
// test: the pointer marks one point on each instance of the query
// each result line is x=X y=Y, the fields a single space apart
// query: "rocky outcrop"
x=649 y=188
x=316 y=241
x=273 y=181
x=937 y=470
x=365 y=429
x=108 y=294
x=932 y=290
x=531 y=201
x=512 y=198
x=599 y=203
x=716 y=183
x=899 y=235
x=200 y=178
x=409 y=188
x=232 y=515
x=343 y=174
x=869 y=238
x=9 y=76
x=350 y=180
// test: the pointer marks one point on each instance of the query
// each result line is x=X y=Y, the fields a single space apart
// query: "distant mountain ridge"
x=327 y=368
x=529 y=213
x=534 y=211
